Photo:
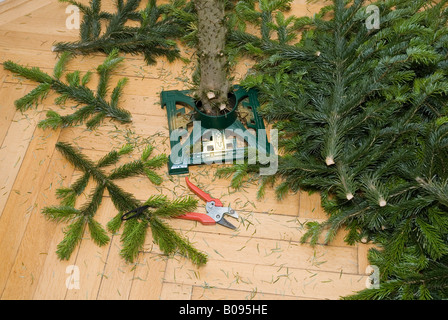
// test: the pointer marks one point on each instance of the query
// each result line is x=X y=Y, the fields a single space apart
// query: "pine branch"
x=33 y=73
x=135 y=230
x=154 y=36
x=78 y=160
x=127 y=170
x=73 y=236
x=97 y=232
x=93 y=106
x=113 y=156
x=133 y=238
x=33 y=98
x=61 y=213
x=176 y=207
x=170 y=242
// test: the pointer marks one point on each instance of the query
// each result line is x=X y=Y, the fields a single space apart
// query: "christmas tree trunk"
x=214 y=85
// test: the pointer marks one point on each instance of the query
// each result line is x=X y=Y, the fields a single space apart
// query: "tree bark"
x=214 y=84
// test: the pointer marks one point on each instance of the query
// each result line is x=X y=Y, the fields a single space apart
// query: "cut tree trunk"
x=214 y=84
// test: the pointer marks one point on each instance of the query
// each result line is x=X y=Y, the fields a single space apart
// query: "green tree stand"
x=197 y=138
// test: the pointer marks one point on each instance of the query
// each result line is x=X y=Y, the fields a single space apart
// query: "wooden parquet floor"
x=262 y=259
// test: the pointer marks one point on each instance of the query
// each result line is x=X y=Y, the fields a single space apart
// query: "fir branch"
x=60 y=213
x=156 y=162
x=153 y=38
x=77 y=159
x=170 y=242
x=93 y=106
x=33 y=73
x=97 y=232
x=61 y=64
x=135 y=230
x=73 y=235
x=134 y=233
x=157 y=201
x=133 y=239
x=115 y=223
x=91 y=207
x=147 y=152
x=127 y=170
x=79 y=186
x=314 y=230
x=53 y=120
x=176 y=207
x=153 y=176
x=33 y=98
x=122 y=200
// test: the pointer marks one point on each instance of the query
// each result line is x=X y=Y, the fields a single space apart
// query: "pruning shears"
x=214 y=207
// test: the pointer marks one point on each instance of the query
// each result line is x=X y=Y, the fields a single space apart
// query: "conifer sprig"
x=135 y=230
x=163 y=235
x=92 y=108
x=153 y=37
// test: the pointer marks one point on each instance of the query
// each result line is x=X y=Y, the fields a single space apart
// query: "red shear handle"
x=201 y=217
x=203 y=195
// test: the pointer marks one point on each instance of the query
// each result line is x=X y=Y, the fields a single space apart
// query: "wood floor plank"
x=10 y=4
x=91 y=259
x=310 y=206
x=113 y=134
x=118 y=275
x=18 y=11
x=3 y=73
x=363 y=250
x=8 y=94
x=56 y=274
x=42 y=16
x=262 y=226
x=175 y=291
x=15 y=145
x=37 y=238
x=22 y=199
x=274 y=252
x=147 y=283
x=264 y=279
x=26 y=44
x=201 y=293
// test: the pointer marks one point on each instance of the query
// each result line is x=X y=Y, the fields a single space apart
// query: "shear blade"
x=232 y=213
x=226 y=223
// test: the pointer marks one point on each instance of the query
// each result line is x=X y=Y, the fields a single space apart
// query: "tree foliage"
x=91 y=107
x=362 y=119
x=150 y=31
x=135 y=230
